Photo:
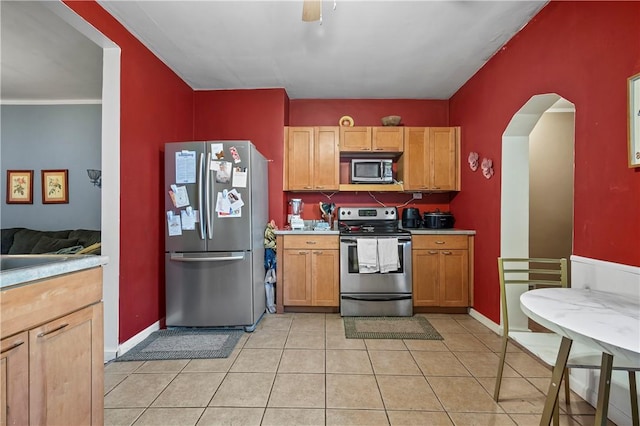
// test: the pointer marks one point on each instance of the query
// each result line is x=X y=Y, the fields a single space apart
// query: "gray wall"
x=43 y=137
x=551 y=186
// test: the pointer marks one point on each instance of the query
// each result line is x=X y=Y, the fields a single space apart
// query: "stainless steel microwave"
x=371 y=170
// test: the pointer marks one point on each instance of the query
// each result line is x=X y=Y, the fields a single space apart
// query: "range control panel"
x=367 y=213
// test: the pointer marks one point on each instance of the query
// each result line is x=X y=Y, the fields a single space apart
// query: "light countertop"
x=45 y=266
x=421 y=231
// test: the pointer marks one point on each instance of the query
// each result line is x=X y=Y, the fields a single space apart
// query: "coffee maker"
x=296 y=221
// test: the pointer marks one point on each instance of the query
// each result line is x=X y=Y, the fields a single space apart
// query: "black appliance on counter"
x=438 y=220
x=411 y=218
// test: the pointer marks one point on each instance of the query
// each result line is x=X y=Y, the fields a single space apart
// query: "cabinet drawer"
x=440 y=242
x=310 y=242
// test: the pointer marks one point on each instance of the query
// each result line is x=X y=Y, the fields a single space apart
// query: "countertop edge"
x=76 y=263
x=422 y=231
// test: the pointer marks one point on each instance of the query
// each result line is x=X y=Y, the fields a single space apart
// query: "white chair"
x=524 y=274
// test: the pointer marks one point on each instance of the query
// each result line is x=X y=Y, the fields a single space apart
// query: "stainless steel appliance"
x=373 y=294
x=216 y=211
x=371 y=170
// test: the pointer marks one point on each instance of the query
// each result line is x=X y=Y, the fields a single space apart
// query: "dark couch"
x=29 y=241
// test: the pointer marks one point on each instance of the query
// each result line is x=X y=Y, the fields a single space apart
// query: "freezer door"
x=209 y=289
x=184 y=167
x=243 y=229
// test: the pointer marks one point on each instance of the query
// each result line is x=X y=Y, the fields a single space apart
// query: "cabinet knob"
x=378 y=149
x=317 y=252
x=433 y=252
x=446 y=253
x=308 y=187
x=311 y=242
x=439 y=242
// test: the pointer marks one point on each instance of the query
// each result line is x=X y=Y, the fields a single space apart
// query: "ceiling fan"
x=311 y=10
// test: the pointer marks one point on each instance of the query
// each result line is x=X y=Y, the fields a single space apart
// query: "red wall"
x=368 y=112
x=256 y=115
x=156 y=106
x=583 y=51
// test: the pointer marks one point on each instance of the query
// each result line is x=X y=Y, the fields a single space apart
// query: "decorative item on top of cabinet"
x=371 y=139
x=442 y=270
x=312 y=159
x=431 y=159
x=308 y=271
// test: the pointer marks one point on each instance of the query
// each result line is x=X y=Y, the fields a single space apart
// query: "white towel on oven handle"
x=388 y=259
x=367 y=255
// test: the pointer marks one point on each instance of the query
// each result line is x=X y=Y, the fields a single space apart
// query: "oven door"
x=352 y=281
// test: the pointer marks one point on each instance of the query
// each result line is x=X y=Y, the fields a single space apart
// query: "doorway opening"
x=537 y=183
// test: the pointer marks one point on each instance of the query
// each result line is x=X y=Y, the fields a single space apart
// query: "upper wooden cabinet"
x=431 y=159
x=312 y=159
x=371 y=139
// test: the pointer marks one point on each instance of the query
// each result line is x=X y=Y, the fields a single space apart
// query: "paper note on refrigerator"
x=179 y=196
x=239 y=177
x=188 y=218
x=173 y=224
x=186 y=167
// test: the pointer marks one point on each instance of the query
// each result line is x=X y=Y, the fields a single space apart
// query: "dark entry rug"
x=184 y=344
x=389 y=328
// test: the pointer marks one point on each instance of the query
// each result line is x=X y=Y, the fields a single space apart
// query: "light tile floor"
x=299 y=369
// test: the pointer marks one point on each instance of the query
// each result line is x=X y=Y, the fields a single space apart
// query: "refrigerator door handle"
x=208 y=197
x=200 y=209
x=181 y=257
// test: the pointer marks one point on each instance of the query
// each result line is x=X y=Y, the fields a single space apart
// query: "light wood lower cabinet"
x=53 y=351
x=308 y=271
x=441 y=270
x=14 y=378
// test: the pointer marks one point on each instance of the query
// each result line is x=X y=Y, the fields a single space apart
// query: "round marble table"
x=606 y=321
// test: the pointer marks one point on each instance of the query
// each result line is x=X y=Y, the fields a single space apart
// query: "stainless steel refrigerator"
x=216 y=206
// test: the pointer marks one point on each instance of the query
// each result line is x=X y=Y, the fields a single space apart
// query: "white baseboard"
x=129 y=344
x=496 y=328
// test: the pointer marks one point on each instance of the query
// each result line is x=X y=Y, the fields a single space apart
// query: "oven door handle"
x=376 y=298
x=353 y=241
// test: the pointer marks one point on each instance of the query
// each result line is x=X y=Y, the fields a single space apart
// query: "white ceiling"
x=362 y=49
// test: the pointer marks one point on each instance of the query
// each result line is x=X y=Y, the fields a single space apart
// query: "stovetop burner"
x=369 y=221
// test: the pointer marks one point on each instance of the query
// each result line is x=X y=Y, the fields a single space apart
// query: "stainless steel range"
x=368 y=291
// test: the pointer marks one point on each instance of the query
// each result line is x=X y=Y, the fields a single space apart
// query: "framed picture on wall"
x=55 y=186
x=19 y=186
x=634 y=121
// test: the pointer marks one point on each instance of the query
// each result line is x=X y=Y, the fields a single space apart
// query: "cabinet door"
x=387 y=139
x=296 y=270
x=326 y=174
x=14 y=380
x=444 y=164
x=355 y=139
x=300 y=158
x=425 y=270
x=454 y=277
x=66 y=370
x=414 y=166
x=325 y=278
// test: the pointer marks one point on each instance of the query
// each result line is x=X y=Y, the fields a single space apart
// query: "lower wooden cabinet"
x=14 y=378
x=61 y=366
x=441 y=270
x=308 y=270
x=52 y=351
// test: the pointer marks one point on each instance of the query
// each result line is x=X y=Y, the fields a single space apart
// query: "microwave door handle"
x=207 y=196
x=200 y=205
